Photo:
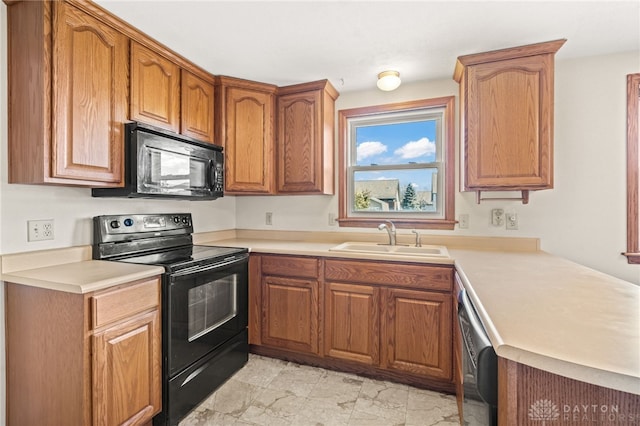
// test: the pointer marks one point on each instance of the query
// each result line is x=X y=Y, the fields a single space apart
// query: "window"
x=633 y=166
x=397 y=163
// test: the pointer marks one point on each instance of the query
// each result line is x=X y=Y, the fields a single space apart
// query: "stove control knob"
x=176 y=219
x=128 y=222
x=185 y=220
x=115 y=224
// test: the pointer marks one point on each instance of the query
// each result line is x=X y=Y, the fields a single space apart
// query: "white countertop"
x=555 y=315
x=539 y=310
x=83 y=277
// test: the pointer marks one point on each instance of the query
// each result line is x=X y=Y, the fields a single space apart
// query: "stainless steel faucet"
x=418 y=240
x=391 y=230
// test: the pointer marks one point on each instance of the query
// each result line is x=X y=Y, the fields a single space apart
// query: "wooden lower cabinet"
x=289 y=303
x=290 y=313
x=416 y=330
x=387 y=319
x=352 y=322
x=83 y=359
x=126 y=362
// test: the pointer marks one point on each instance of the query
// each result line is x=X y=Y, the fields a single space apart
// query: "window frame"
x=633 y=166
x=447 y=222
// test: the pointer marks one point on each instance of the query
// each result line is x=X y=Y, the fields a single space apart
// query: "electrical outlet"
x=268 y=218
x=512 y=221
x=333 y=219
x=39 y=230
x=497 y=217
x=463 y=221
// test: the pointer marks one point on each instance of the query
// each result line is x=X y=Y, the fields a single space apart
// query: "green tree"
x=410 y=199
x=363 y=199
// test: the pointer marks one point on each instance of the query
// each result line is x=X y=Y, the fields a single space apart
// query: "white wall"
x=583 y=218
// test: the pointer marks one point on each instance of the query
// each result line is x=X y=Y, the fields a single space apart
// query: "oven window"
x=211 y=305
x=169 y=171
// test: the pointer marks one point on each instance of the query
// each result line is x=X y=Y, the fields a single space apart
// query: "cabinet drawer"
x=290 y=266
x=114 y=305
x=390 y=274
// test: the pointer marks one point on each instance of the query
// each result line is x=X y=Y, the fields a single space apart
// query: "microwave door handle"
x=211 y=176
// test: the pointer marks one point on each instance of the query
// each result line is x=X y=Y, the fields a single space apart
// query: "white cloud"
x=369 y=149
x=417 y=148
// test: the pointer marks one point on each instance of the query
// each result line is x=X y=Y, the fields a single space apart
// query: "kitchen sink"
x=397 y=250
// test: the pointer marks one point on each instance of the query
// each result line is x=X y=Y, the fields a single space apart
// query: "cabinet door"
x=249 y=158
x=416 y=332
x=352 y=322
x=197 y=107
x=89 y=103
x=127 y=371
x=290 y=309
x=300 y=163
x=509 y=124
x=155 y=89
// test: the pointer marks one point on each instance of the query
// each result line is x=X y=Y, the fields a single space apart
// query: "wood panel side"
x=255 y=300
x=530 y=396
x=458 y=373
x=53 y=322
x=29 y=47
x=633 y=168
x=328 y=111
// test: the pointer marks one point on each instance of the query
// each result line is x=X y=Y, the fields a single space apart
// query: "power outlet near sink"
x=497 y=217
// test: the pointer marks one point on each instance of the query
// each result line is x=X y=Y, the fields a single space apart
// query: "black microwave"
x=163 y=164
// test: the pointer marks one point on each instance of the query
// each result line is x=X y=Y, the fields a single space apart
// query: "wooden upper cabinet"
x=245 y=113
x=507 y=118
x=197 y=107
x=155 y=89
x=305 y=140
x=68 y=96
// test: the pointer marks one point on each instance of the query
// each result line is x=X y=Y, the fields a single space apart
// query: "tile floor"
x=271 y=392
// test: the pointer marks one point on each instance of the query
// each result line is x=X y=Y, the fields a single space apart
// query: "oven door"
x=204 y=309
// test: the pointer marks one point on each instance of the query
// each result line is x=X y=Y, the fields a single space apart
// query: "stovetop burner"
x=186 y=257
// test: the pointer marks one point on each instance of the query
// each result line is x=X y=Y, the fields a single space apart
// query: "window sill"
x=632 y=258
x=399 y=223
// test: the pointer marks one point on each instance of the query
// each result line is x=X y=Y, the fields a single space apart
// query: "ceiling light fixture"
x=388 y=80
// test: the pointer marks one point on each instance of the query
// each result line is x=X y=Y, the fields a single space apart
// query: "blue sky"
x=399 y=143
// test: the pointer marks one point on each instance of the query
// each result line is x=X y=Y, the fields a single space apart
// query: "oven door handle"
x=232 y=260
